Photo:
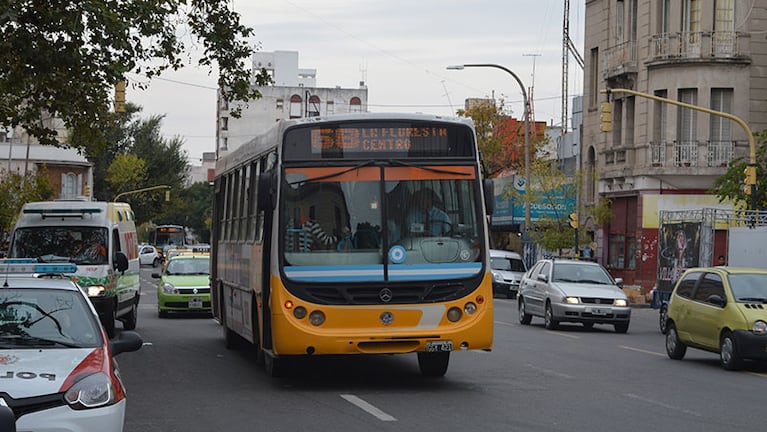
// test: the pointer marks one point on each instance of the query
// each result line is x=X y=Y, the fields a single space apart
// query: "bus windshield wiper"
x=335 y=174
x=426 y=168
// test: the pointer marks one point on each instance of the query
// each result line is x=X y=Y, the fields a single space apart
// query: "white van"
x=100 y=237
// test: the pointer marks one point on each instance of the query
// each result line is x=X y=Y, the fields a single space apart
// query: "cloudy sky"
x=400 y=48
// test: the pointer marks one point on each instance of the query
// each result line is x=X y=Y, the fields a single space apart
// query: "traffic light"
x=750 y=172
x=573 y=220
x=606 y=117
x=120 y=96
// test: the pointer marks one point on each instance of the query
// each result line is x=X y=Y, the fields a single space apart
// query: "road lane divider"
x=643 y=351
x=367 y=407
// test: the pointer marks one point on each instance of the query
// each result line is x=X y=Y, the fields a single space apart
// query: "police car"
x=57 y=371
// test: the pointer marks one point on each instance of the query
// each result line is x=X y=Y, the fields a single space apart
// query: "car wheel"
x=675 y=348
x=156 y=262
x=524 y=317
x=129 y=322
x=433 y=364
x=728 y=353
x=621 y=327
x=549 y=322
x=663 y=316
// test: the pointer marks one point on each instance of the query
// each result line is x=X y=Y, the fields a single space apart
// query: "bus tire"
x=433 y=364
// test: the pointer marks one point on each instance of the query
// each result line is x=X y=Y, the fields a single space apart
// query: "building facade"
x=293 y=94
x=658 y=156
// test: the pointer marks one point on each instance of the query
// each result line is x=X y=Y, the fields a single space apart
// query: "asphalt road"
x=571 y=379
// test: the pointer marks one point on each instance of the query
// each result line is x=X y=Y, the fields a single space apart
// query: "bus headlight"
x=299 y=312
x=317 y=318
x=96 y=290
x=454 y=314
x=470 y=308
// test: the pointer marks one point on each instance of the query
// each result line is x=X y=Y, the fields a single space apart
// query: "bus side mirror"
x=488 y=188
x=120 y=262
x=267 y=190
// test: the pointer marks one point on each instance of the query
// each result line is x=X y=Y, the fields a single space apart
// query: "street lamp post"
x=526 y=115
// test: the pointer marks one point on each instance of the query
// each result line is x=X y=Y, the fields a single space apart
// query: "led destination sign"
x=379 y=140
x=372 y=139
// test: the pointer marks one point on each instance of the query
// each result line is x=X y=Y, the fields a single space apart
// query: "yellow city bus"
x=354 y=234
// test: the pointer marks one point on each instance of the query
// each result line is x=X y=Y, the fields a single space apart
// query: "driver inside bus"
x=424 y=217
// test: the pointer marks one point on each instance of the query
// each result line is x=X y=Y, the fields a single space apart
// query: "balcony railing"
x=620 y=58
x=685 y=153
x=723 y=44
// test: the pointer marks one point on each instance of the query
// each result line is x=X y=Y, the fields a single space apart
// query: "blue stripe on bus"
x=399 y=272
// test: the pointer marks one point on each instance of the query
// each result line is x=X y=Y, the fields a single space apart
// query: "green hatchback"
x=184 y=285
x=721 y=310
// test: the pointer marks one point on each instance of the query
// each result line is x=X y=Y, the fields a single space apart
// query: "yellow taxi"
x=722 y=310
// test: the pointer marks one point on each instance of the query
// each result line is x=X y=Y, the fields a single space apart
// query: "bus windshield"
x=382 y=222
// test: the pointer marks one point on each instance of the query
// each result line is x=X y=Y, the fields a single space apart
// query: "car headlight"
x=572 y=300
x=91 y=392
x=620 y=302
x=760 y=327
x=497 y=277
x=168 y=288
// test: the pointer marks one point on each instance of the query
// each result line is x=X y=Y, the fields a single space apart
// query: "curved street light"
x=526 y=115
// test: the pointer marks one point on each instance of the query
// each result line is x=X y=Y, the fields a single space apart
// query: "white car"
x=148 y=255
x=55 y=357
x=508 y=269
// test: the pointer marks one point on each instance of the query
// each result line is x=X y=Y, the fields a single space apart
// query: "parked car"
x=507 y=268
x=722 y=310
x=184 y=284
x=148 y=255
x=56 y=357
x=583 y=292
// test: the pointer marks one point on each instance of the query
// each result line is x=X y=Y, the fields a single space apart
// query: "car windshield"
x=44 y=318
x=749 y=287
x=507 y=264
x=579 y=273
x=188 y=266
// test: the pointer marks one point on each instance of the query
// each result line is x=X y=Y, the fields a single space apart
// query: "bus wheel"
x=433 y=364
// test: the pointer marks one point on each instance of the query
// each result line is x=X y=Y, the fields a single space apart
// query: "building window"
x=617 y=123
x=617 y=251
x=330 y=107
x=296 y=107
x=594 y=78
x=721 y=128
x=313 y=110
x=224 y=123
x=280 y=104
x=355 y=104
x=69 y=187
x=687 y=119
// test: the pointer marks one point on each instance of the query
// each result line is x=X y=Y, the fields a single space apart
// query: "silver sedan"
x=573 y=291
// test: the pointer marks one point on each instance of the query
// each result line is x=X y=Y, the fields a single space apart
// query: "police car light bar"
x=30 y=266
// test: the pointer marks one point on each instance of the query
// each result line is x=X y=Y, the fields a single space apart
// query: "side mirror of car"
x=619 y=282
x=120 y=261
x=155 y=275
x=543 y=277
x=126 y=341
x=717 y=300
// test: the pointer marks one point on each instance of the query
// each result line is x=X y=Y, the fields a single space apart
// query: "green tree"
x=497 y=136
x=191 y=207
x=17 y=189
x=730 y=185
x=125 y=172
x=63 y=58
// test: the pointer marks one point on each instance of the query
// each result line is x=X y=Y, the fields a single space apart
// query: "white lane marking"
x=642 y=351
x=370 y=409
x=661 y=404
x=549 y=372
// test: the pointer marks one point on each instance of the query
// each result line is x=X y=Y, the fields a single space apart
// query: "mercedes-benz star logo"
x=385 y=295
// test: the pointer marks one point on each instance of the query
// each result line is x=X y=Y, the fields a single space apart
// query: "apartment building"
x=658 y=156
x=293 y=94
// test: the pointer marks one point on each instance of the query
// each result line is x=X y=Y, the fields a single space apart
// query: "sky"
x=400 y=49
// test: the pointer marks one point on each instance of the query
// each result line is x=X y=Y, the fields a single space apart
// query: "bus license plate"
x=195 y=303
x=439 y=346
